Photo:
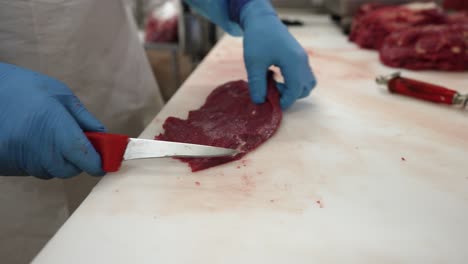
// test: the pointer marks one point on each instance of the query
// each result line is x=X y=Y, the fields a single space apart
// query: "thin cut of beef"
x=441 y=47
x=374 y=23
x=227 y=119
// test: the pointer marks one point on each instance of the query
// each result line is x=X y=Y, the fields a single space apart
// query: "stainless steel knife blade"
x=144 y=148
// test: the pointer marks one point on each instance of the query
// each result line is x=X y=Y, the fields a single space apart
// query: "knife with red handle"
x=114 y=149
x=422 y=90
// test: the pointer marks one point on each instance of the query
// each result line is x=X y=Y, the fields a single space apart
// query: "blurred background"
x=176 y=39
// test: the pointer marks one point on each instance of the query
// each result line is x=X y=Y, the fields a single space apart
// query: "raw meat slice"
x=227 y=119
x=374 y=23
x=441 y=47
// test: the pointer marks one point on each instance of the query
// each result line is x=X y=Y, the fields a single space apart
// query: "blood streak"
x=319 y=203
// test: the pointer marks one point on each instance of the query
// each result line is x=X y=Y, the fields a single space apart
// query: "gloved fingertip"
x=305 y=93
x=38 y=172
x=95 y=170
x=286 y=102
x=63 y=170
x=43 y=176
x=292 y=91
x=257 y=82
x=307 y=90
x=94 y=164
x=79 y=151
x=67 y=174
x=281 y=87
x=313 y=83
x=98 y=172
x=258 y=99
x=258 y=90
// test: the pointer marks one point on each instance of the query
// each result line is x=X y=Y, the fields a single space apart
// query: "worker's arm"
x=218 y=11
x=267 y=42
x=41 y=127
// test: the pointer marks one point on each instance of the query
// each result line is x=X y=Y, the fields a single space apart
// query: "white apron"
x=92 y=46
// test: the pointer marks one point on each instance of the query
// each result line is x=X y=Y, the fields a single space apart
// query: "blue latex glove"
x=218 y=12
x=268 y=42
x=41 y=127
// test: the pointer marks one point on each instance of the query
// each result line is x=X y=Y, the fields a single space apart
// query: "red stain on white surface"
x=319 y=203
x=244 y=163
x=247 y=184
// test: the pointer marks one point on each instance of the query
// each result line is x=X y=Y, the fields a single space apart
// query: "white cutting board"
x=330 y=187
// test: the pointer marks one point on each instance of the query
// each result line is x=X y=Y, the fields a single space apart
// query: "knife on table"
x=115 y=148
x=398 y=84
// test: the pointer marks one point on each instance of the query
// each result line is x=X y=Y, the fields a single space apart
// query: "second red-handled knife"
x=422 y=90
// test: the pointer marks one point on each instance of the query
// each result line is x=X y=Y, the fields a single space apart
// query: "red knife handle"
x=421 y=90
x=111 y=148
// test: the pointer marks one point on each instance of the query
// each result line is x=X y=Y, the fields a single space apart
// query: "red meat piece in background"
x=162 y=30
x=374 y=23
x=435 y=47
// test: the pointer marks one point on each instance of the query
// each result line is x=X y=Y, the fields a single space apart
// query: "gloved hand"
x=218 y=12
x=41 y=127
x=268 y=42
